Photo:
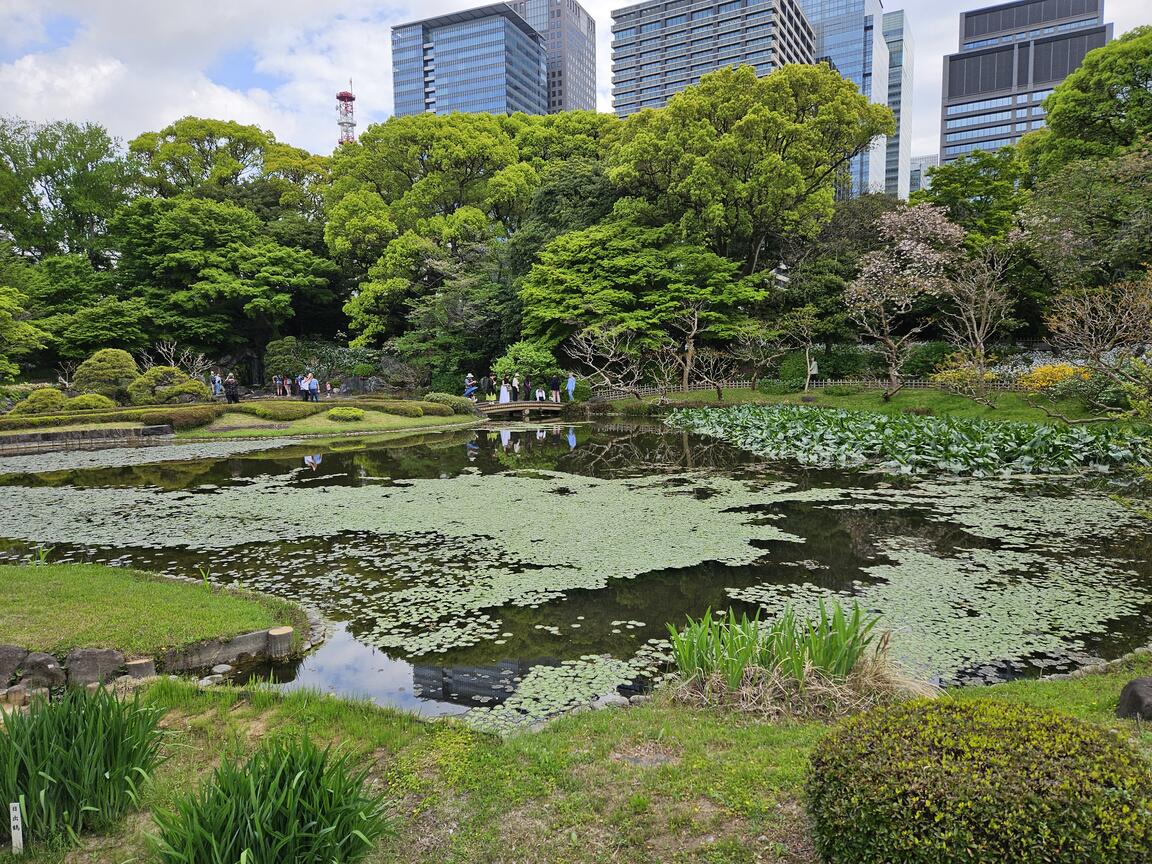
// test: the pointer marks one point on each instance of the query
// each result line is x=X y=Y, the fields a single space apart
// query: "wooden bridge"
x=524 y=408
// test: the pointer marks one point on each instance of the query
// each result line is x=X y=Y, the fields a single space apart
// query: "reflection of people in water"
x=505 y=438
x=541 y=434
x=571 y=438
x=472 y=448
x=313 y=462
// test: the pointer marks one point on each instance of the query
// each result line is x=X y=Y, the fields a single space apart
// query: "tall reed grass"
x=76 y=764
x=831 y=643
x=290 y=802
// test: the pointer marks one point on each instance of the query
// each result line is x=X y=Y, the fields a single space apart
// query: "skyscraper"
x=850 y=34
x=659 y=47
x=487 y=59
x=918 y=172
x=900 y=52
x=569 y=34
x=1011 y=57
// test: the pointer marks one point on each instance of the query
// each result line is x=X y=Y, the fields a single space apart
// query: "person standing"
x=217 y=383
x=232 y=389
x=515 y=388
x=314 y=388
x=571 y=386
x=494 y=386
x=554 y=387
x=527 y=387
x=485 y=388
x=276 y=385
x=505 y=393
x=328 y=389
x=302 y=381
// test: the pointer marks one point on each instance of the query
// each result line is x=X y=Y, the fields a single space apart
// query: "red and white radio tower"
x=344 y=116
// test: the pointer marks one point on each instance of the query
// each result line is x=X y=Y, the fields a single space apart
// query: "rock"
x=42 y=670
x=17 y=695
x=11 y=659
x=1136 y=700
x=221 y=669
x=40 y=693
x=639 y=699
x=210 y=680
x=145 y=668
x=609 y=700
x=93 y=665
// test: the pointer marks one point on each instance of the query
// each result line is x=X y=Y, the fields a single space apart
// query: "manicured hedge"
x=345 y=414
x=177 y=416
x=458 y=404
x=46 y=401
x=89 y=402
x=943 y=782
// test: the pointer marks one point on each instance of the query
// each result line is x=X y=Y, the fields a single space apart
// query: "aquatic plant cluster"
x=907 y=444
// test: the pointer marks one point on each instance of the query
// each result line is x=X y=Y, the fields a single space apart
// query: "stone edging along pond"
x=20 y=442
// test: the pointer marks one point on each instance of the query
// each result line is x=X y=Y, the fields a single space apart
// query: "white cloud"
x=136 y=65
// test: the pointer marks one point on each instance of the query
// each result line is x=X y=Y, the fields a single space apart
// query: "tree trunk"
x=689 y=362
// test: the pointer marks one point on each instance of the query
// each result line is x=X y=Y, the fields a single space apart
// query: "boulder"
x=1136 y=700
x=93 y=666
x=610 y=700
x=144 y=668
x=42 y=670
x=11 y=658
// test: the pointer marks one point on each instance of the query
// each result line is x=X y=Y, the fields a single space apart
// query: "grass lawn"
x=234 y=425
x=656 y=783
x=57 y=607
x=1010 y=406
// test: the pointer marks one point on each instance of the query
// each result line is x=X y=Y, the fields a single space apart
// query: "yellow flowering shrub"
x=1050 y=375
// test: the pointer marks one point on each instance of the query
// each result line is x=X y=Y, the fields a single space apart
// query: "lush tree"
x=1101 y=108
x=1091 y=222
x=18 y=337
x=195 y=152
x=982 y=191
x=739 y=162
x=526 y=358
x=60 y=183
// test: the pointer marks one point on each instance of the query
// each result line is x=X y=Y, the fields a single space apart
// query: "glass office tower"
x=918 y=172
x=850 y=34
x=662 y=46
x=569 y=34
x=480 y=60
x=1011 y=57
x=899 y=151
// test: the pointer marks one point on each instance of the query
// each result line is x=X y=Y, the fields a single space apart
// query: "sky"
x=137 y=65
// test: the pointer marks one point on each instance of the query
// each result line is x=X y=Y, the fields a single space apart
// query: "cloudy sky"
x=136 y=65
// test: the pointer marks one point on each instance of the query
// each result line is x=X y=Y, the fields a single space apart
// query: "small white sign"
x=17 y=830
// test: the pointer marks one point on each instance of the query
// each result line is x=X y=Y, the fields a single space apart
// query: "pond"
x=512 y=570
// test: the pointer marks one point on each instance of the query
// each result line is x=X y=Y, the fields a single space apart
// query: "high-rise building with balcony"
x=850 y=34
x=569 y=34
x=659 y=47
x=1011 y=57
x=899 y=151
x=480 y=60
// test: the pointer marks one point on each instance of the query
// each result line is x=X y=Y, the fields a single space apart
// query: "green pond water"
x=512 y=571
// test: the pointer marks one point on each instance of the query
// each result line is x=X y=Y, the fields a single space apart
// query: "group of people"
x=228 y=387
x=486 y=388
x=307 y=386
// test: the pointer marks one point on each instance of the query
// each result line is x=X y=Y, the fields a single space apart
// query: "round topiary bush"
x=163 y=384
x=89 y=402
x=943 y=782
x=46 y=401
x=107 y=372
x=345 y=415
x=458 y=404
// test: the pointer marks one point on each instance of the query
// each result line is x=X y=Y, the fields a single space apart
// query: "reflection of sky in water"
x=348 y=667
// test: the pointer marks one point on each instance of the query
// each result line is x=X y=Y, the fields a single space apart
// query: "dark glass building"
x=479 y=60
x=569 y=34
x=1011 y=57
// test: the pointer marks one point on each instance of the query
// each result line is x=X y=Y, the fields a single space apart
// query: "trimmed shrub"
x=943 y=782
x=76 y=764
x=191 y=417
x=926 y=358
x=163 y=384
x=108 y=372
x=89 y=402
x=46 y=401
x=345 y=415
x=281 y=412
x=290 y=802
x=458 y=404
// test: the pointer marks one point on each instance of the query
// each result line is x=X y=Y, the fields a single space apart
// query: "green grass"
x=235 y=425
x=656 y=783
x=1009 y=406
x=57 y=607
